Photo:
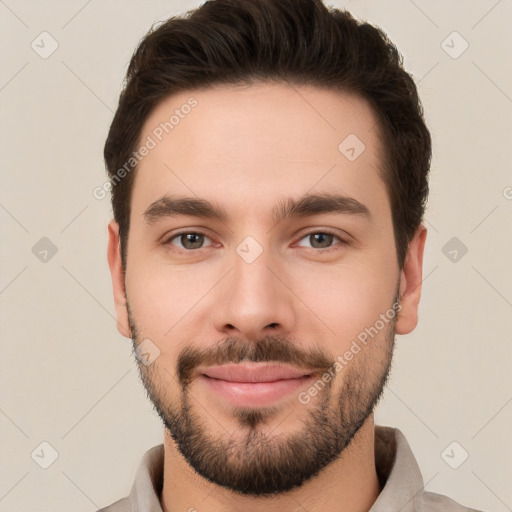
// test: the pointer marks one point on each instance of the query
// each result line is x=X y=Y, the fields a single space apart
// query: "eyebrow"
x=305 y=206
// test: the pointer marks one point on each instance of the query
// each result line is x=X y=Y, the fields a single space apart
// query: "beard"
x=251 y=460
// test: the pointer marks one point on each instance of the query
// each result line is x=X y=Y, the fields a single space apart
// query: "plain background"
x=68 y=377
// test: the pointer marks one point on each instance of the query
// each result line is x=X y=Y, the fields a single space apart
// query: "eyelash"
x=177 y=250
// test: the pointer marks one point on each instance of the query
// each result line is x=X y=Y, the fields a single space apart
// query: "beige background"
x=68 y=377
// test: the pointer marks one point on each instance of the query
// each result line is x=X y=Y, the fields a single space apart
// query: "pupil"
x=189 y=237
x=321 y=236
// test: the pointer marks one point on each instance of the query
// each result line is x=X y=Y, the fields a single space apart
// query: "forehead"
x=247 y=146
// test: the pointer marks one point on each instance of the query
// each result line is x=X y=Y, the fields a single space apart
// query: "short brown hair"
x=290 y=41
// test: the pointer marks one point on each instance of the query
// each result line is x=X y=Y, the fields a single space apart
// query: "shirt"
x=398 y=472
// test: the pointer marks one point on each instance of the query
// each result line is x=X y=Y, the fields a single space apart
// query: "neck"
x=349 y=484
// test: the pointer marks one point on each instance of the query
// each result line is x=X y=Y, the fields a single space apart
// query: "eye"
x=193 y=240
x=323 y=239
x=189 y=241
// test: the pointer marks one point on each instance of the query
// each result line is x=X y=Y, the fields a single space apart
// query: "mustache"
x=268 y=349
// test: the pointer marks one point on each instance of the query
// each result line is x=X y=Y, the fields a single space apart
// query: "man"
x=269 y=162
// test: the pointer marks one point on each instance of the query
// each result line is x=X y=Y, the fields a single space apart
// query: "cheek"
x=346 y=300
x=162 y=292
x=164 y=298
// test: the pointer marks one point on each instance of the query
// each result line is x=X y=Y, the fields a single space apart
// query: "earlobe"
x=118 y=281
x=410 y=283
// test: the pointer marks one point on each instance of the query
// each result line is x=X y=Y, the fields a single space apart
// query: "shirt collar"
x=397 y=469
x=145 y=493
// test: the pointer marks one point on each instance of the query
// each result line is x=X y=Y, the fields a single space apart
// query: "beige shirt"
x=397 y=469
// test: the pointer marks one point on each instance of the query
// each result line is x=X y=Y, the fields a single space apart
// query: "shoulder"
x=122 y=505
x=433 y=502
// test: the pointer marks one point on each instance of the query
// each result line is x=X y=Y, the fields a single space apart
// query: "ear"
x=116 y=271
x=410 y=283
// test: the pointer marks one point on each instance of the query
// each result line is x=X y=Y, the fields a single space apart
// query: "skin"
x=246 y=148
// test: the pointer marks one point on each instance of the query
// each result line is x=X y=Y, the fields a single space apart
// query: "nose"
x=253 y=300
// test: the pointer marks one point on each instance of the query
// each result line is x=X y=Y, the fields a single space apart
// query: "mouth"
x=253 y=384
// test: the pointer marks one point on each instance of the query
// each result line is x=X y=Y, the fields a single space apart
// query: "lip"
x=254 y=372
x=253 y=384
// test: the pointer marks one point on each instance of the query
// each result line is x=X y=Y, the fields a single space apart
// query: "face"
x=262 y=289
